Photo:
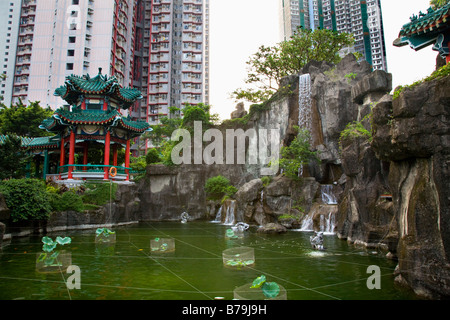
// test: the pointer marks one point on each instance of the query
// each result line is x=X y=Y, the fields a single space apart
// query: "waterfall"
x=308 y=223
x=321 y=218
x=304 y=101
x=230 y=218
x=327 y=194
x=218 y=217
x=228 y=207
x=327 y=223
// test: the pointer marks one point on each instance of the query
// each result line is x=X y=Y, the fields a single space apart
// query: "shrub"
x=27 y=199
x=297 y=154
x=354 y=130
x=219 y=186
x=99 y=193
x=153 y=156
x=71 y=201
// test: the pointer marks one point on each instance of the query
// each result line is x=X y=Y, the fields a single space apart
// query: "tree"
x=13 y=158
x=436 y=4
x=190 y=113
x=24 y=120
x=270 y=64
x=297 y=154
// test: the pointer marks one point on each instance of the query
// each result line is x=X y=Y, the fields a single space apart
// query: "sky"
x=239 y=27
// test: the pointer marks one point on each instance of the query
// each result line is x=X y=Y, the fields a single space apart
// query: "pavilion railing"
x=88 y=170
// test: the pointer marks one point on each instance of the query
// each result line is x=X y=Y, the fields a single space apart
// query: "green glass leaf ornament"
x=249 y=262
x=47 y=240
x=271 y=289
x=63 y=241
x=49 y=247
x=99 y=231
x=258 y=282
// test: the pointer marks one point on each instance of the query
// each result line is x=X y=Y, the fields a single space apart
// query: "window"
x=70 y=53
x=69 y=66
x=72 y=39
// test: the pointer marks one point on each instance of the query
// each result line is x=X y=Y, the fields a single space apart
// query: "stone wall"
x=122 y=211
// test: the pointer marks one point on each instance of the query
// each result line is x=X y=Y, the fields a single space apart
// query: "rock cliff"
x=412 y=133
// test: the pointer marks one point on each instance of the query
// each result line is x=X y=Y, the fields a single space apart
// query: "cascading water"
x=227 y=208
x=230 y=217
x=304 y=106
x=327 y=194
x=304 y=101
x=322 y=216
x=218 y=217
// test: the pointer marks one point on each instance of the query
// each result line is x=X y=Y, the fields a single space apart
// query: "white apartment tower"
x=172 y=64
x=9 y=24
x=62 y=37
x=362 y=18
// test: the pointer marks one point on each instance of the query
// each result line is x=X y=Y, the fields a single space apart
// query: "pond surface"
x=195 y=270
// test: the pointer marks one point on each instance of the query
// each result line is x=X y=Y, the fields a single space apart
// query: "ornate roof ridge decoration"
x=77 y=86
x=425 y=29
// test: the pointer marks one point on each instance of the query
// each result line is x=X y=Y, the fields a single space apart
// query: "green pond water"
x=128 y=269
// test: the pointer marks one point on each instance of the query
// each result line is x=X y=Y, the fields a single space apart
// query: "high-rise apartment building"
x=59 y=38
x=362 y=18
x=9 y=24
x=171 y=64
x=158 y=46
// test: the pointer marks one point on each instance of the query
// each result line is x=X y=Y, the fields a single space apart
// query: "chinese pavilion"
x=93 y=120
x=428 y=28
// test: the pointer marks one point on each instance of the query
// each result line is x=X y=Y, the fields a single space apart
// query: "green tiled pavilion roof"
x=422 y=30
x=99 y=85
x=63 y=118
x=33 y=143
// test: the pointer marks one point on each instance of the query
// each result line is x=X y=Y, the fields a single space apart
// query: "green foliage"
x=266 y=180
x=436 y=4
x=270 y=64
x=99 y=193
x=27 y=199
x=297 y=154
x=70 y=201
x=13 y=158
x=138 y=163
x=163 y=131
x=354 y=130
x=219 y=186
x=153 y=156
x=350 y=76
x=24 y=120
x=444 y=71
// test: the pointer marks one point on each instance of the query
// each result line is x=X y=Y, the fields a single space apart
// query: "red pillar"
x=115 y=155
x=127 y=159
x=106 y=161
x=85 y=153
x=61 y=157
x=83 y=105
x=105 y=105
x=71 y=153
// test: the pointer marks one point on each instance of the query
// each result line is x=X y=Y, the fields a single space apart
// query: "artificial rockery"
x=385 y=161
